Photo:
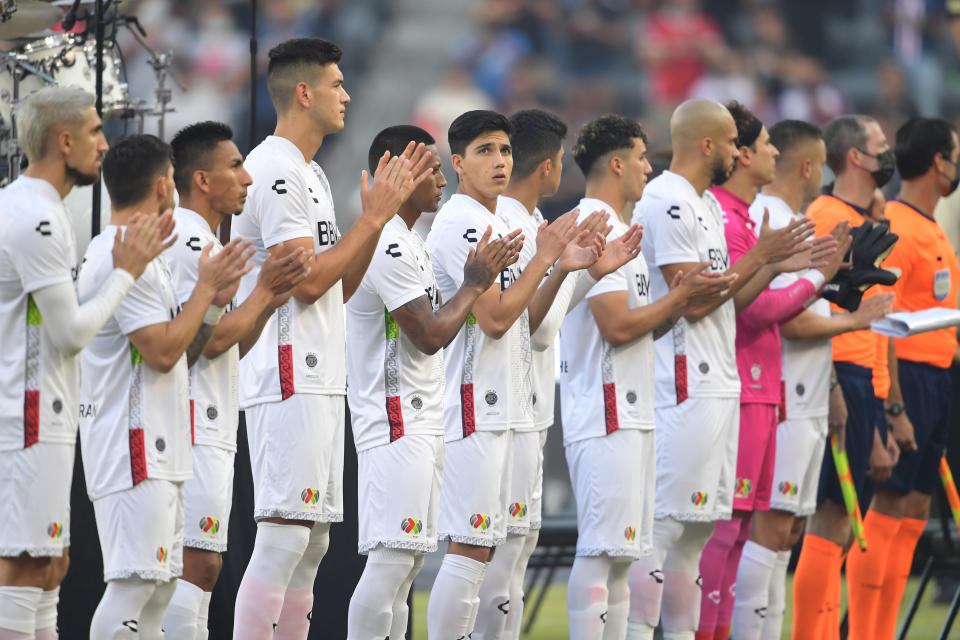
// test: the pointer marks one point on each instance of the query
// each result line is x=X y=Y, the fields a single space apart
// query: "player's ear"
x=201 y=181
x=160 y=188
x=745 y=157
x=302 y=94
x=63 y=141
x=615 y=163
x=546 y=167
x=706 y=146
x=806 y=168
x=457 y=161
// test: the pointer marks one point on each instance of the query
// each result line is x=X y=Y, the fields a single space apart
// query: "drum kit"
x=40 y=57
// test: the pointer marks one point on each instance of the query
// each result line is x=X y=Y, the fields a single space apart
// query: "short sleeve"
x=393 y=275
x=902 y=257
x=143 y=305
x=183 y=258
x=45 y=249
x=282 y=201
x=674 y=234
x=451 y=246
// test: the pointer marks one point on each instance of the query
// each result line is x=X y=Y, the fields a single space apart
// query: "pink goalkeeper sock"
x=258 y=605
x=728 y=586
x=713 y=565
x=294 y=622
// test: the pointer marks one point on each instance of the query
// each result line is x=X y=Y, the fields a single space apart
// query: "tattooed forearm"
x=665 y=327
x=196 y=346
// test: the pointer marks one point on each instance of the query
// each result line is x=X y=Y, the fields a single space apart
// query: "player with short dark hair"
x=212 y=183
x=135 y=432
x=41 y=317
x=296 y=371
x=927 y=153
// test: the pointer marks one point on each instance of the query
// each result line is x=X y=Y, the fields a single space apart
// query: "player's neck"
x=120 y=217
x=526 y=191
x=212 y=217
x=696 y=173
x=742 y=185
x=301 y=133
x=609 y=193
x=54 y=172
x=921 y=194
x=409 y=214
x=789 y=193
x=490 y=204
x=854 y=188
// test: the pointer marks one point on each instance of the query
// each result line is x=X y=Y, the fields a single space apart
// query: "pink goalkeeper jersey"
x=758 y=331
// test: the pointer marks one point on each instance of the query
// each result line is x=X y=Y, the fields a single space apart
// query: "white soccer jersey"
x=606 y=388
x=805 y=362
x=214 y=383
x=696 y=359
x=488 y=384
x=395 y=389
x=301 y=349
x=134 y=420
x=542 y=363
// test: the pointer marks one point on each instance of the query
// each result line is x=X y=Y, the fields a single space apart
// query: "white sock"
x=646 y=581
x=450 y=608
x=294 y=620
x=47 y=615
x=151 y=618
x=118 y=614
x=587 y=595
x=276 y=553
x=475 y=601
x=401 y=613
x=18 y=610
x=203 y=616
x=753 y=590
x=371 y=607
x=618 y=600
x=680 y=611
x=183 y=612
x=494 y=592
x=511 y=631
x=777 y=600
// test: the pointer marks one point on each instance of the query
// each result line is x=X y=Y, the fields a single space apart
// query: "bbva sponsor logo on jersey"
x=719 y=260
x=643 y=285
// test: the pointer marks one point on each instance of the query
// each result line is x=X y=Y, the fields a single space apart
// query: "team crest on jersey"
x=518 y=510
x=480 y=521
x=55 y=530
x=416 y=402
x=57 y=405
x=744 y=488
x=411 y=526
x=209 y=525
x=162 y=555
x=703 y=367
x=310 y=496
x=755 y=372
x=490 y=397
x=630 y=533
x=631 y=397
x=787 y=488
x=801 y=389
x=699 y=499
x=312 y=360
x=212 y=413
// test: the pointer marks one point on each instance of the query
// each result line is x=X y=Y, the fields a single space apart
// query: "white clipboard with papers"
x=903 y=323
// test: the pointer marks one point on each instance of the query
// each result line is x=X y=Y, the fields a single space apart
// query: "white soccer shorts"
x=525 y=496
x=399 y=494
x=208 y=497
x=800 y=446
x=296 y=452
x=141 y=531
x=35 y=494
x=697 y=459
x=476 y=478
x=613 y=480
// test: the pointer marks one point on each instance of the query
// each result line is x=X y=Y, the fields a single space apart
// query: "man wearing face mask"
x=926 y=155
x=861 y=159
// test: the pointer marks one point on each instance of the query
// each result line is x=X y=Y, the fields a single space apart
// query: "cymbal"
x=29 y=17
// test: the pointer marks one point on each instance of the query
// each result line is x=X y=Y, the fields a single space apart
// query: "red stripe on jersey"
x=395 y=417
x=610 y=407
x=31 y=418
x=468 y=417
x=285 y=360
x=782 y=408
x=138 y=457
x=680 y=377
x=193 y=435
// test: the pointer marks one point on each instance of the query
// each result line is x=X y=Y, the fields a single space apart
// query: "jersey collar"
x=44 y=188
x=910 y=206
x=182 y=213
x=860 y=210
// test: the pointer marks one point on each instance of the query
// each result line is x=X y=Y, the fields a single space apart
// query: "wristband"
x=213 y=315
x=815 y=277
x=834 y=383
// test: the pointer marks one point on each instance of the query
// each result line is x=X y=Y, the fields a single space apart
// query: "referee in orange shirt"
x=926 y=154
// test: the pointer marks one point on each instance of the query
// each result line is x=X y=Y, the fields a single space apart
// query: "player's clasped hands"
x=280 y=275
x=221 y=272
x=394 y=180
x=701 y=287
x=486 y=262
x=146 y=237
x=588 y=245
x=554 y=237
x=780 y=244
x=618 y=252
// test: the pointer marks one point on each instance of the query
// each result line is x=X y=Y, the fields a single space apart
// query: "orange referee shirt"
x=930 y=279
x=864 y=348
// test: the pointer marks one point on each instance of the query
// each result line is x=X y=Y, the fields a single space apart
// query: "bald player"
x=697 y=387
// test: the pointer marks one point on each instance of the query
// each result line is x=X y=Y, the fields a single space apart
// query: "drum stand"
x=18 y=66
x=160 y=62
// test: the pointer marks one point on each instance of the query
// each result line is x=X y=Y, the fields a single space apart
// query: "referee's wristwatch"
x=894 y=409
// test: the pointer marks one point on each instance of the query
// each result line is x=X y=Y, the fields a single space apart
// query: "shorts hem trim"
x=472 y=540
x=535 y=526
x=34 y=552
x=144 y=574
x=312 y=516
x=613 y=552
x=692 y=517
x=205 y=545
x=517 y=530
x=406 y=545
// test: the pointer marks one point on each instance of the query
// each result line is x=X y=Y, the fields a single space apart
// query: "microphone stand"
x=252 y=119
x=99 y=32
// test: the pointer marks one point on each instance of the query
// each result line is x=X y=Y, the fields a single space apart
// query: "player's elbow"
x=495 y=331
x=160 y=362
x=215 y=348
x=614 y=336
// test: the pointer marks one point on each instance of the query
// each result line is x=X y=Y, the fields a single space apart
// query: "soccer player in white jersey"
x=212 y=184
x=135 y=422
x=697 y=386
x=606 y=346
x=293 y=380
x=488 y=386
x=45 y=328
x=810 y=407
x=396 y=398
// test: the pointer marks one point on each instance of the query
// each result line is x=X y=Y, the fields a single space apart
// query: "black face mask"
x=887 y=164
x=956 y=178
